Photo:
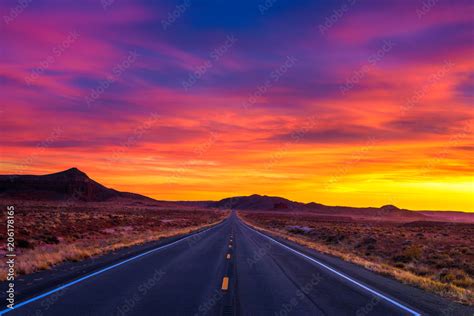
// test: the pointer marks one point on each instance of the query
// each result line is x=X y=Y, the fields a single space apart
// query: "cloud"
x=428 y=123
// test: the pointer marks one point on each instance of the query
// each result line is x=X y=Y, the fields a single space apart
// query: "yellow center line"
x=225 y=283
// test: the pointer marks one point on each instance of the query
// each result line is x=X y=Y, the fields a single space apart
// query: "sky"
x=359 y=103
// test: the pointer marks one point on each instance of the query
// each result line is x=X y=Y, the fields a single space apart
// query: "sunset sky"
x=359 y=103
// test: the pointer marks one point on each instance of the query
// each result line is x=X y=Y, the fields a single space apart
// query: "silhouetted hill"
x=257 y=202
x=68 y=184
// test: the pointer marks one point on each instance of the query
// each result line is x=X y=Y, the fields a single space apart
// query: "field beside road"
x=48 y=233
x=435 y=256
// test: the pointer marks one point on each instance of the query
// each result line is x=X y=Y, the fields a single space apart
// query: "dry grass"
x=51 y=255
x=48 y=234
x=441 y=277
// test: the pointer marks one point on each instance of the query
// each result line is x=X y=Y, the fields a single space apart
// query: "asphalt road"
x=232 y=269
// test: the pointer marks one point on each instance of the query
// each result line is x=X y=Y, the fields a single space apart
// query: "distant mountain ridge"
x=274 y=203
x=75 y=184
x=68 y=184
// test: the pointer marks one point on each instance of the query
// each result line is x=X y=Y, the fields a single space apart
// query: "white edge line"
x=341 y=275
x=87 y=276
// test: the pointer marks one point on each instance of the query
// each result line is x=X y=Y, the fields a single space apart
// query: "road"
x=231 y=269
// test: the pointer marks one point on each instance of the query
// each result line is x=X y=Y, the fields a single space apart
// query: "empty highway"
x=231 y=269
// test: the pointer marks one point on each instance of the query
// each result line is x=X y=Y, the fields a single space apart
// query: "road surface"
x=231 y=269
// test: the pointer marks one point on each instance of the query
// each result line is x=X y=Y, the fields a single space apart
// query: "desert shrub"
x=50 y=239
x=22 y=243
x=335 y=239
x=422 y=270
x=296 y=230
x=369 y=241
x=399 y=265
x=413 y=252
x=447 y=276
x=457 y=277
x=299 y=230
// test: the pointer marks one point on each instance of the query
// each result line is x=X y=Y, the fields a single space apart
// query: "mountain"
x=274 y=203
x=257 y=202
x=64 y=185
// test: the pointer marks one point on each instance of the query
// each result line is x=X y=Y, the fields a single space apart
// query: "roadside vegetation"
x=434 y=256
x=48 y=233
